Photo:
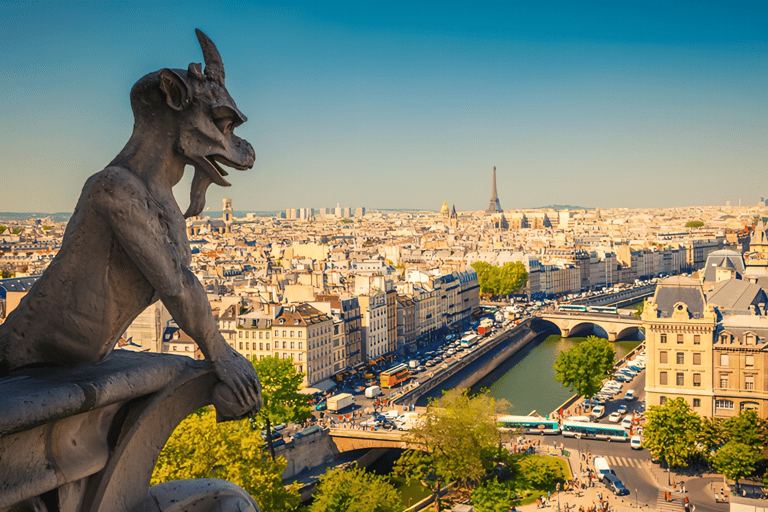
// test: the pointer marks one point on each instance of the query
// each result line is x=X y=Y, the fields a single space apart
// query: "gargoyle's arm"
x=139 y=226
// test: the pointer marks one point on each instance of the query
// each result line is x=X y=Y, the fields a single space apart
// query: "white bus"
x=595 y=430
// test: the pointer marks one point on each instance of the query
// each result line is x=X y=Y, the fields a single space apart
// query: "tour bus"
x=529 y=424
x=572 y=307
x=395 y=375
x=594 y=430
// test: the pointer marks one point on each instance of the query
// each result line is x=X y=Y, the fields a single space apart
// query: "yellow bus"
x=394 y=375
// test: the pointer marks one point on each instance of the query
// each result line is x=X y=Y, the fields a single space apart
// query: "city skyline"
x=405 y=106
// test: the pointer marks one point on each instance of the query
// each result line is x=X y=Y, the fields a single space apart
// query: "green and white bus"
x=595 y=430
x=529 y=424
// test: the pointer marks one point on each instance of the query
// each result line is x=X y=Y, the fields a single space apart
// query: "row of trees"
x=494 y=280
x=735 y=447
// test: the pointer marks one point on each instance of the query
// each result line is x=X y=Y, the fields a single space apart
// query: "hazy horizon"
x=631 y=104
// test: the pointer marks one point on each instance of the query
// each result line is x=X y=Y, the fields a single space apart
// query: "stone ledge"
x=38 y=396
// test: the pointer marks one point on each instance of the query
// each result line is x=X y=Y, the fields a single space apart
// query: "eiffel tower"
x=494 y=206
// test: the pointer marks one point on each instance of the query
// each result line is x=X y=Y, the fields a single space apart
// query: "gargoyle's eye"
x=226 y=125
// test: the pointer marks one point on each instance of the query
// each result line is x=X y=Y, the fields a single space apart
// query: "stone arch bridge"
x=572 y=323
x=346 y=440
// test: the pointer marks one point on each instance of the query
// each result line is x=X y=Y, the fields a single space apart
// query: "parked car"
x=598 y=411
x=622 y=409
x=630 y=395
x=636 y=442
x=614 y=417
x=627 y=421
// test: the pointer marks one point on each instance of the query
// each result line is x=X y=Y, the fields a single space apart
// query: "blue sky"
x=407 y=104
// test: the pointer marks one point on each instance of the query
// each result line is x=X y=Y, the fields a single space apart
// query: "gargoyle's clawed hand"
x=237 y=373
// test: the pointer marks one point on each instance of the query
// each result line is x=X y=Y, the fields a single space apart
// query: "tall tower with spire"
x=495 y=205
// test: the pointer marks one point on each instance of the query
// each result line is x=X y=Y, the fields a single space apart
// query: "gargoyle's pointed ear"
x=175 y=89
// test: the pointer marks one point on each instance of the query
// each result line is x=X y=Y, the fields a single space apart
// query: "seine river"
x=527 y=379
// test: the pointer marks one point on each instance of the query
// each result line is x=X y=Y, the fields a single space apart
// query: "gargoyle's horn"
x=214 y=67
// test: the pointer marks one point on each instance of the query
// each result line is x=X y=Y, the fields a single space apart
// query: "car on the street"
x=614 y=417
x=622 y=409
x=627 y=421
x=598 y=411
x=636 y=442
x=630 y=395
x=615 y=484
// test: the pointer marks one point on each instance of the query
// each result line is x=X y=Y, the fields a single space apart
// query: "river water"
x=527 y=379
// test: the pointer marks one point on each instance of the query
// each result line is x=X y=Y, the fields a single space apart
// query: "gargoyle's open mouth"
x=210 y=164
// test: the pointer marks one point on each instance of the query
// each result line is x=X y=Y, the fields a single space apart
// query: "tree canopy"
x=458 y=439
x=494 y=280
x=671 y=432
x=694 y=224
x=493 y=496
x=281 y=400
x=583 y=367
x=736 y=460
x=354 y=490
x=201 y=448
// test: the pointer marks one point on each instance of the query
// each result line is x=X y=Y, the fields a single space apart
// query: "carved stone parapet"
x=87 y=438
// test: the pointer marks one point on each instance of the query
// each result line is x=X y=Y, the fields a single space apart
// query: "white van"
x=601 y=467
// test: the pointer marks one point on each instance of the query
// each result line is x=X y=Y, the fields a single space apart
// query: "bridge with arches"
x=572 y=323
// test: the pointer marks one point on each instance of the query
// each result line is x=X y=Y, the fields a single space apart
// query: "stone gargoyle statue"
x=126 y=244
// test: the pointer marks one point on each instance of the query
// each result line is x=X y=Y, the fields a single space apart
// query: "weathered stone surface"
x=40 y=396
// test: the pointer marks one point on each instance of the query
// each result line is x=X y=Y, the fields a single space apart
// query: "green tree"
x=513 y=278
x=712 y=435
x=458 y=440
x=6 y=274
x=487 y=276
x=354 y=490
x=493 y=496
x=736 y=460
x=201 y=448
x=671 y=432
x=639 y=309
x=583 y=367
x=694 y=224
x=2 y=229
x=281 y=400
x=541 y=472
x=493 y=280
x=747 y=428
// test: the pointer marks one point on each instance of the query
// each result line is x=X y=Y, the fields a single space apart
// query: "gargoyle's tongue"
x=200 y=184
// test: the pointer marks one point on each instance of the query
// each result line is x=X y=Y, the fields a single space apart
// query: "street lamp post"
x=635 y=497
x=557 y=488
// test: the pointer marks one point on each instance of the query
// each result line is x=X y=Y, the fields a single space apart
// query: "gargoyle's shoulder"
x=115 y=186
x=117 y=182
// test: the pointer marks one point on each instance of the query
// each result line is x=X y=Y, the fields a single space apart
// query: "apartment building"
x=679 y=331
